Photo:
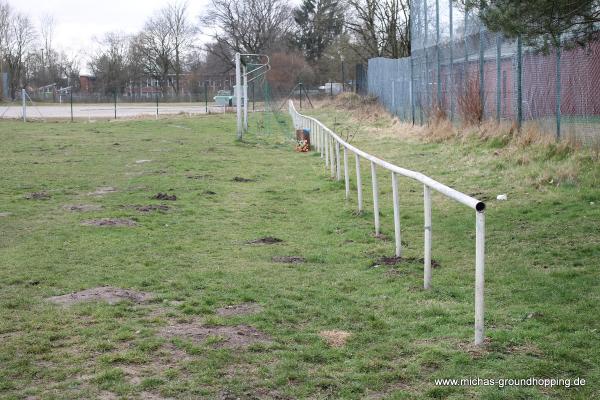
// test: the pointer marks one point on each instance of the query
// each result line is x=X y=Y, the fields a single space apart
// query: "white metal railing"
x=328 y=144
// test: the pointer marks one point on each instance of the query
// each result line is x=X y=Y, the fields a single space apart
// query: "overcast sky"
x=77 y=22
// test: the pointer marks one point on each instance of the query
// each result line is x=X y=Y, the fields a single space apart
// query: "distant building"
x=86 y=83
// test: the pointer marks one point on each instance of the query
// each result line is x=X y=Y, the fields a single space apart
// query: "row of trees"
x=310 y=42
x=315 y=38
x=28 y=53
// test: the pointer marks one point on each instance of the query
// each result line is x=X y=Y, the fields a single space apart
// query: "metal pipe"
x=326 y=146
x=238 y=94
x=245 y=94
x=427 y=237
x=331 y=156
x=23 y=94
x=396 y=200
x=479 y=276
x=375 y=198
x=346 y=175
x=358 y=183
x=337 y=162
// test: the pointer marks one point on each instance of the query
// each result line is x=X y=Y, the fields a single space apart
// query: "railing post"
x=331 y=157
x=358 y=183
x=338 y=168
x=427 y=236
x=346 y=174
x=396 y=215
x=479 y=276
x=375 y=197
x=326 y=146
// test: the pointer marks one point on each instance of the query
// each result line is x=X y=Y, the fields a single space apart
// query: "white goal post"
x=248 y=67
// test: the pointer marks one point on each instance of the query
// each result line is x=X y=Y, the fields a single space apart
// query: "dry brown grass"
x=470 y=107
x=335 y=338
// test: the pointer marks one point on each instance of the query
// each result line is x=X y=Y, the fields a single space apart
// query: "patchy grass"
x=542 y=266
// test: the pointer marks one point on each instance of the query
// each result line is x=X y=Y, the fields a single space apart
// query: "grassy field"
x=195 y=259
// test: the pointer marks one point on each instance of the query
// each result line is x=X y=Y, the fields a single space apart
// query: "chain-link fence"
x=461 y=71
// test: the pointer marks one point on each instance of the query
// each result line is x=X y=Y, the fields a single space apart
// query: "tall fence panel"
x=461 y=71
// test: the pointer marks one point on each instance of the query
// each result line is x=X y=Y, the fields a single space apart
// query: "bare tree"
x=183 y=34
x=381 y=27
x=246 y=26
x=156 y=46
x=109 y=64
x=20 y=35
x=47 y=26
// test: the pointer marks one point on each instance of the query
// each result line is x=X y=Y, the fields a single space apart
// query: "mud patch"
x=221 y=336
x=335 y=338
x=243 y=180
x=288 y=259
x=239 y=309
x=101 y=191
x=199 y=177
x=265 y=240
x=150 y=208
x=209 y=193
x=37 y=196
x=104 y=222
x=403 y=260
x=82 y=207
x=164 y=196
x=109 y=294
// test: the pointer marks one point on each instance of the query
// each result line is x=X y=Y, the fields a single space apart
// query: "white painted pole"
x=358 y=183
x=346 y=174
x=331 y=157
x=427 y=236
x=375 y=197
x=326 y=146
x=238 y=94
x=396 y=200
x=245 y=90
x=322 y=141
x=23 y=95
x=479 y=276
x=338 y=169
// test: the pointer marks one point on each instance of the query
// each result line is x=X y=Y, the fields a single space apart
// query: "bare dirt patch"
x=164 y=196
x=38 y=196
x=224 y=336
x=288 y=259
x=150 y=208
x=5 y=214
x=101 y=191
x=109 y=294
x=243 y=180
x=106 y=222
x=239 y=309
x=265 y=240
x=335 y=338
x=82 y=207
x=199 y=177
x=142 y=161
x=393 y=260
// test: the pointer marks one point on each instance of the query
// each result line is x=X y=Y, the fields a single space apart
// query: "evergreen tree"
x=318 y=23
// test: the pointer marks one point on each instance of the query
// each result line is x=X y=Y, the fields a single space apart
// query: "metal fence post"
x=206 y=97
x=437 y=48
x=481 y=70
x=326 y=147
x=427 y=237
x=375 y=198
x=358 y=183
x=346 y=174
x=396 y=200
x=558 y=91
x=331 y=156
x=156 y=105
x=115 y=93
x=519 y=83
x=412 y=91
x=479 y=276
x=338 y=161
x=451 y=81
x=498 y=77
x=24 y=101
x=71 y=99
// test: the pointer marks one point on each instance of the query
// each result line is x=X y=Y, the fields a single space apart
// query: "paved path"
x=104 y=111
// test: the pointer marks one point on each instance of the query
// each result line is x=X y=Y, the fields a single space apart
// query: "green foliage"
x=541 y=22
x=318 y=23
